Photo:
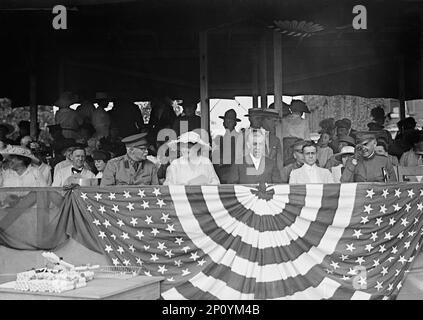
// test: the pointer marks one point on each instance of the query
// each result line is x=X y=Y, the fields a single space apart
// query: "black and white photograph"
x=212 y=150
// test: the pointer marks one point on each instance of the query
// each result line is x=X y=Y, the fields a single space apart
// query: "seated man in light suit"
x=71 y=173
x=255 y=167
x=310 y=172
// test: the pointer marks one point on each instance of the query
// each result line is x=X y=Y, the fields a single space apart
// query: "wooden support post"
x=204 y=92
x=255 y=80
x=33 y=107
x=277 y=87
x=263 y=71
x=277 y=70
x=402 y=88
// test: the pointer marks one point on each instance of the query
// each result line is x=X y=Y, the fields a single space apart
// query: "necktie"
x=136 y=164
x=74 y=170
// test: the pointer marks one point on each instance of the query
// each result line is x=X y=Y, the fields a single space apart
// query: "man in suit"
x=310 y=172
x=256 y=167
x=74 y=171
x=132 y=168
x=299 y=160
x=224 y=147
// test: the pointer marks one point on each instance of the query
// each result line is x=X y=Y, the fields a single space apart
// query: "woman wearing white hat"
x=343 y=156
x=191 y=168
x=20 y=172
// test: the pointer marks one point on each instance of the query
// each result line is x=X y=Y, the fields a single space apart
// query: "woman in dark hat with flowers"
x=5 y=130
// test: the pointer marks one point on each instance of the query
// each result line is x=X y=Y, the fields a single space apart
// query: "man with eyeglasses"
x=368 y=166
x=310 y=172
x=133 y=168
x=299 y=160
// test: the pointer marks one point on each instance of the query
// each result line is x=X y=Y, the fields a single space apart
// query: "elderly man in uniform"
x=299 y=160
x=132 y=168
x=368 y=166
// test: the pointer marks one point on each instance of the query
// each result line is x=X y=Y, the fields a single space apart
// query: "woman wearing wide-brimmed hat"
x=190 y=168
x=343 y=156
x=69 y=120
x=20 y=172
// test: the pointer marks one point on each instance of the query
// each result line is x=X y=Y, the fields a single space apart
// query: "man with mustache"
x=367 y=165
x=133 y=168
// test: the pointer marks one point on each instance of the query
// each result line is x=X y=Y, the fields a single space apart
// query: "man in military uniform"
x=367 y=166
x=132 y=168
x=299 y=160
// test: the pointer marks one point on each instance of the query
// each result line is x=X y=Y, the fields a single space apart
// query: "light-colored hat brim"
x=33 y=159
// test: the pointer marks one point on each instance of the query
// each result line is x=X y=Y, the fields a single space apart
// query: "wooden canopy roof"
x=144 y=49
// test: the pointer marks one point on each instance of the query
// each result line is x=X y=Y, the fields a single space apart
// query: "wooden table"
x=137 y=288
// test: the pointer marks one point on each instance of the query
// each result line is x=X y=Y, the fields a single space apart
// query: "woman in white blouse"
x=20 y=172
x=191 y=168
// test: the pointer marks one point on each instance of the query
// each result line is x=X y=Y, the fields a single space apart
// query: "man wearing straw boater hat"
x=368 y=166
x=224 y=147
x=133 y=168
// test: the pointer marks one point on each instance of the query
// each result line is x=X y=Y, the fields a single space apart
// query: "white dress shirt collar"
x=256 y=161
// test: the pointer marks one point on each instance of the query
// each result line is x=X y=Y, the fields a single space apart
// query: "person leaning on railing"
x=367 y=165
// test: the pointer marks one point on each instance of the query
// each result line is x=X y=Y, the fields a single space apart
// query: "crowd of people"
x=92 y=146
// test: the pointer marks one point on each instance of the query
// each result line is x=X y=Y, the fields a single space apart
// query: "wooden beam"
x=263 y=71
x=204 y=90
x=132 y=73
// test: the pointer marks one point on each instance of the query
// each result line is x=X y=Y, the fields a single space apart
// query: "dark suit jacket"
x=246 y=173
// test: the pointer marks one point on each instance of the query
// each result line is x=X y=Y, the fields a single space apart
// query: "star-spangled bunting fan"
x=340 y=241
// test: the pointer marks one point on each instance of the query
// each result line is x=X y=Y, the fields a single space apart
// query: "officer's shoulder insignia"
x=116 y=159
